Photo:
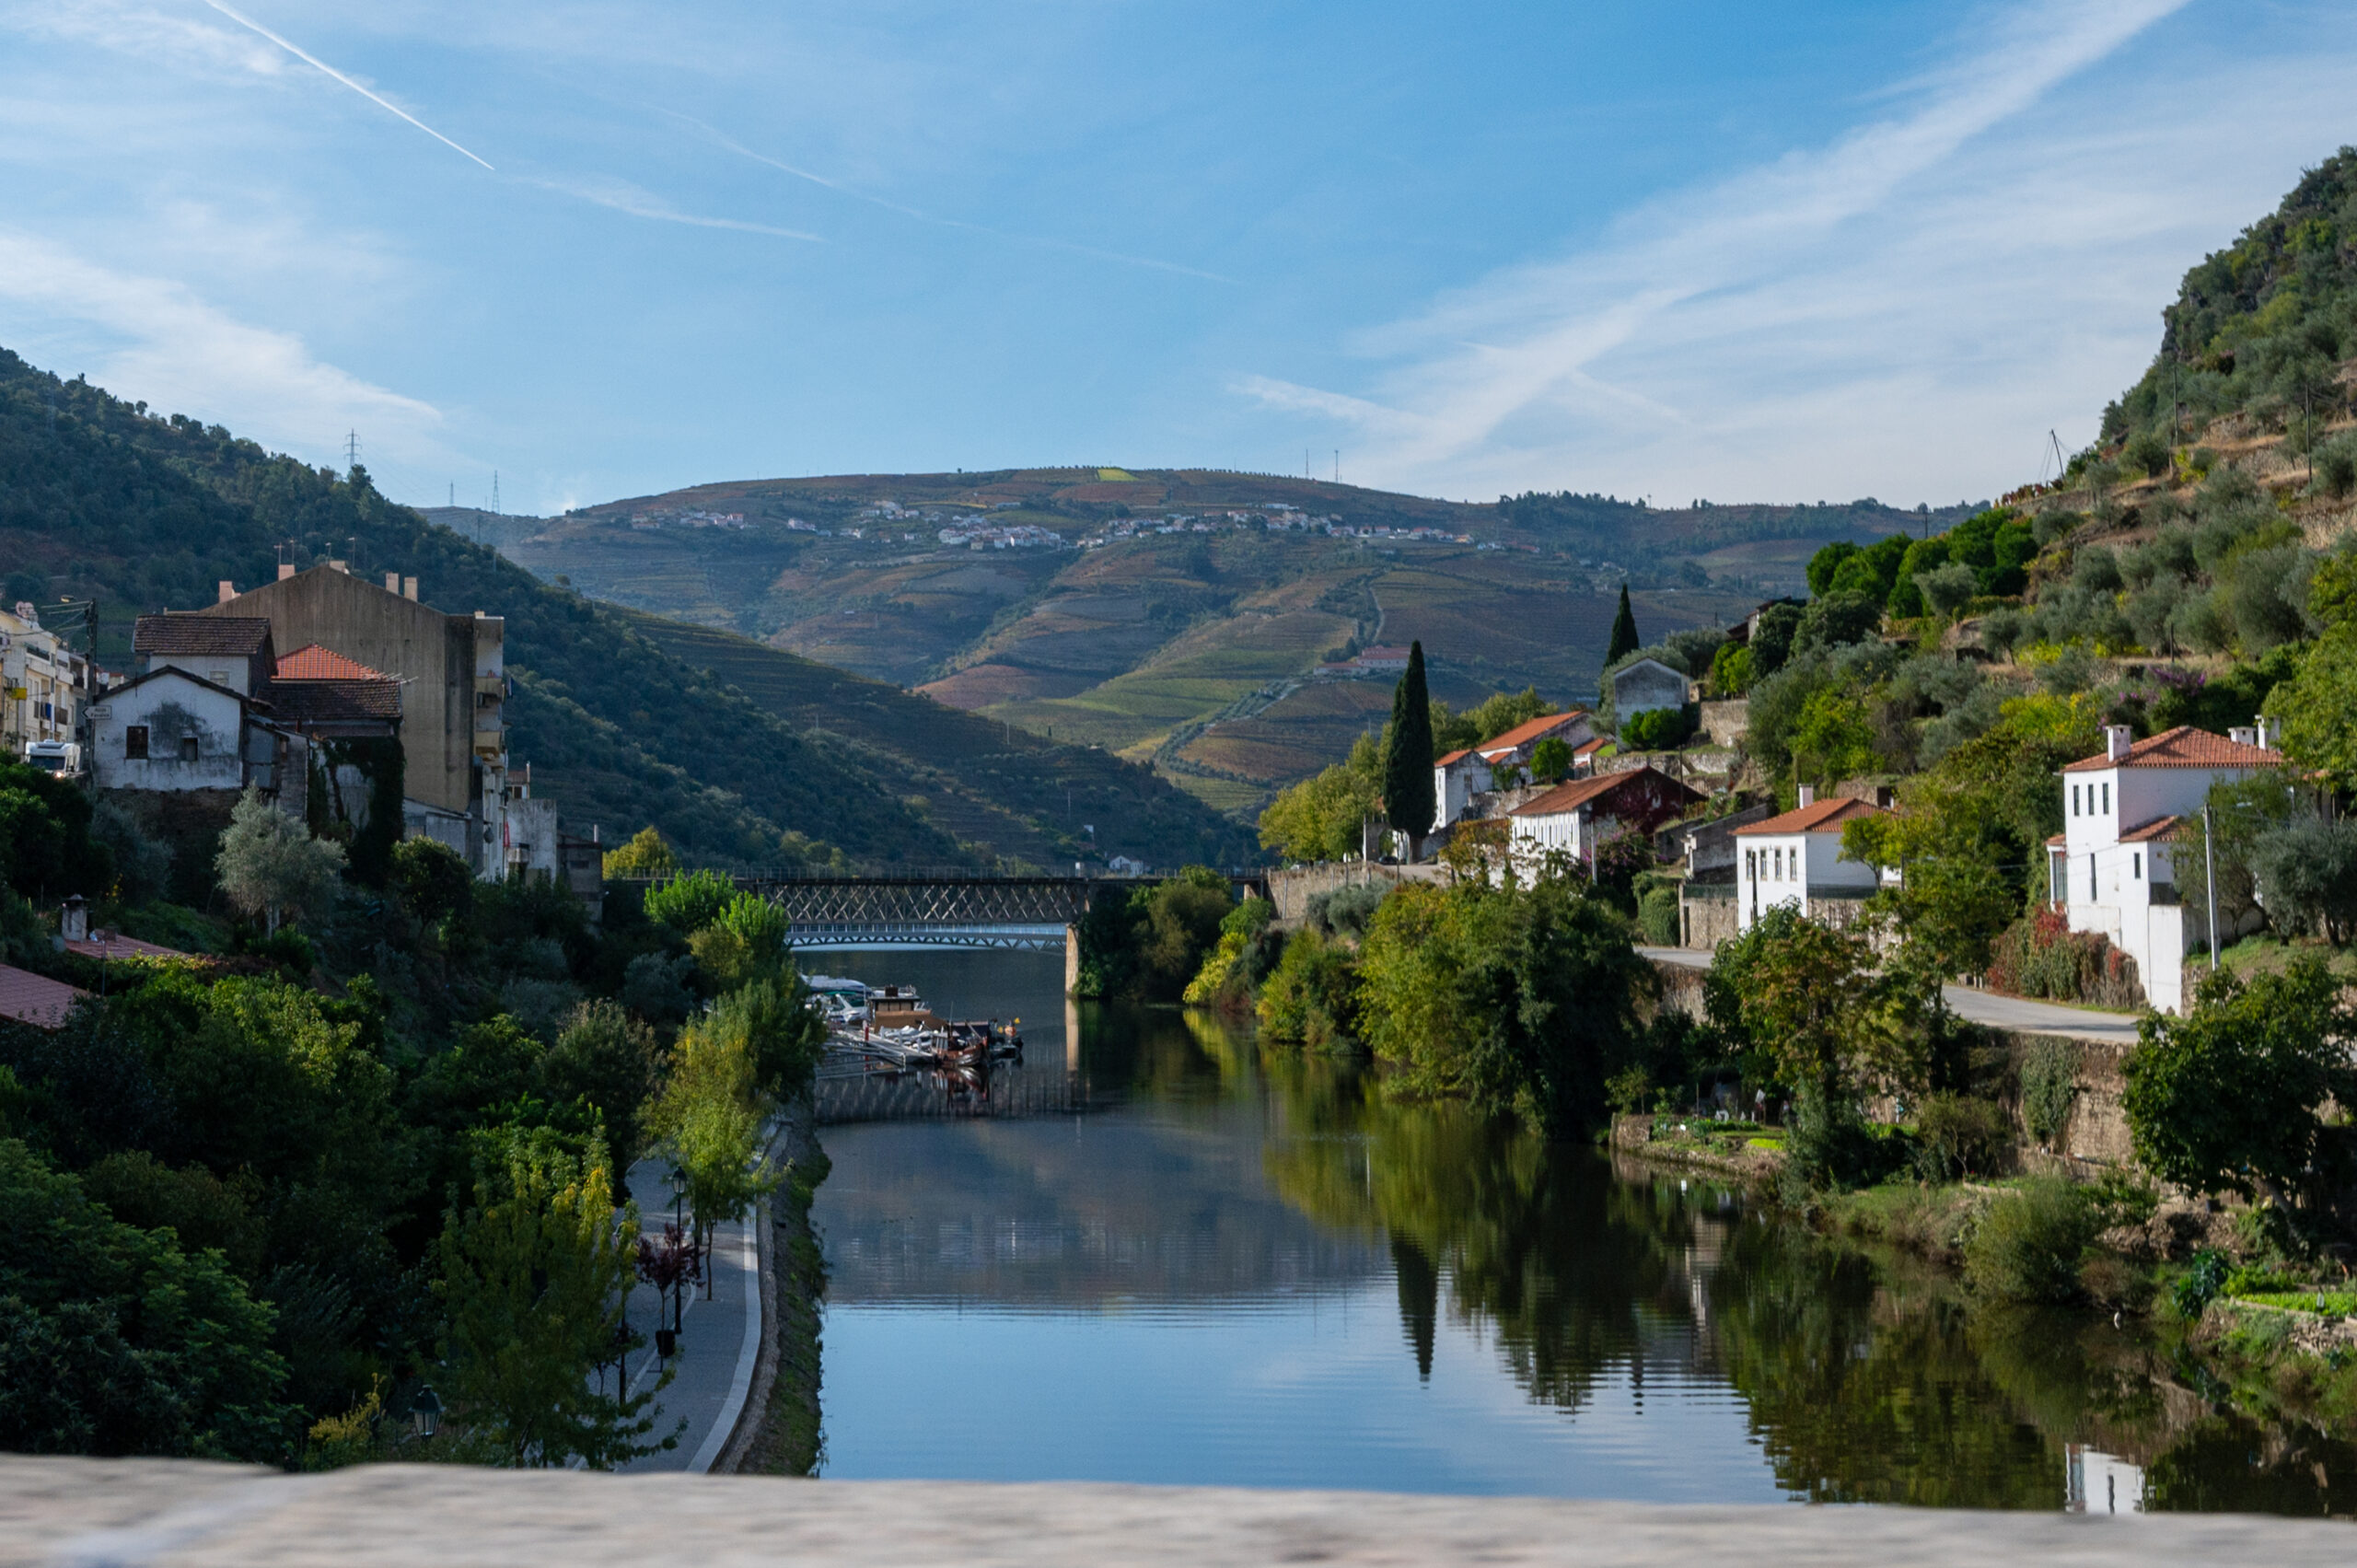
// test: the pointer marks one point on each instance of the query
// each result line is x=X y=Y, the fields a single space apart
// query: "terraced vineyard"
x=1177 y=636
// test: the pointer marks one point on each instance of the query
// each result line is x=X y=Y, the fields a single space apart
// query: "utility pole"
x=2209 y=884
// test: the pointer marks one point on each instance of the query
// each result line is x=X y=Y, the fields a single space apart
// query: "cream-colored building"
x=45 y=685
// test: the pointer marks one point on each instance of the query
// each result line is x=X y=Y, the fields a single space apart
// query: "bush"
x=2333 y=468
x=1959 y=1135
x=2040 y=956
x=2146 y=453
x=2027 y=1247
x=432 y=880
x=1655 y=729
x=1658 y=913
x=2050 y=1083
x=2200 y=1285
x=1311 y=996
x=1731 y=669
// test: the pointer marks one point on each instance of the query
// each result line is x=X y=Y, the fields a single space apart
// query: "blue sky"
x=1679 y=250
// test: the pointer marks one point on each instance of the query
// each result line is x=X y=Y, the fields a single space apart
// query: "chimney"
x=392 y=582
x=409 y=589
x=285 y=570
x=228 y=591
x=2243 y=734
x=343 y=566
x=74 y=922
x=2270 y=732
x=1809 y=794
x=2116 y=739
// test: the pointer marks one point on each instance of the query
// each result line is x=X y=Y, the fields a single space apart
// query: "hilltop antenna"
x=495 y=492
x=1338 y=465
x=352 y=449
x=2060 y=463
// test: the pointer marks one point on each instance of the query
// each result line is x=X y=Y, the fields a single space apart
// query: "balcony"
x=490 y=742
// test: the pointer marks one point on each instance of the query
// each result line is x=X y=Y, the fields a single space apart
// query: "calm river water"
x=1245 y=1269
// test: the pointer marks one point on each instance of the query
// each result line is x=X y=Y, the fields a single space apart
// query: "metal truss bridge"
x=942 y=910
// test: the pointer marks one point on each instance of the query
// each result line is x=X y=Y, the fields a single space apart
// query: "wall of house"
x=1706 y=915
x=1639 y=690
x=1454 y=788
x=172 y=710
x=433 y=653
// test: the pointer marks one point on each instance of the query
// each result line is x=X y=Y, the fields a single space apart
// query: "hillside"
x=99 y=498
x=1178 y=617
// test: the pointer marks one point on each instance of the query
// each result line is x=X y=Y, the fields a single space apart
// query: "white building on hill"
x=2113 y=867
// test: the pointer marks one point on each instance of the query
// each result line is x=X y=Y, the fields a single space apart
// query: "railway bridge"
x=948 y=908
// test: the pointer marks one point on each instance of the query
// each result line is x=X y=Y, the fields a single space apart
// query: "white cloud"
x=157 y=341
x=1903 y=312
x=170 y=36
x=640 y=202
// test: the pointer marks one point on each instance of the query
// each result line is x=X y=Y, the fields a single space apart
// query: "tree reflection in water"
x=1870 y=1376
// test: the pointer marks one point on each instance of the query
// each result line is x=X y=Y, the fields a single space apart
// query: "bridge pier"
x=1072 y=959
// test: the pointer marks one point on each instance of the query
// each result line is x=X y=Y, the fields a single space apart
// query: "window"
x=2075 y=800
x=2136 y=866
x=2106 y=800
x=134 y=742
x=188 y=748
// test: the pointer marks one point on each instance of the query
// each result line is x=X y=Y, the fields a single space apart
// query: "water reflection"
x=1255 y=1267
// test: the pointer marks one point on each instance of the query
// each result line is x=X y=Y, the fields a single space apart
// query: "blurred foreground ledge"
x=168 y=1513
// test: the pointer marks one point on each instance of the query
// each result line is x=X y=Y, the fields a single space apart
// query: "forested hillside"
x=101 y=498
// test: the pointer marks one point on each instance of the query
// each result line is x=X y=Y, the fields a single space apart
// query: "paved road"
x=719 y=1338
x=1980 y=1007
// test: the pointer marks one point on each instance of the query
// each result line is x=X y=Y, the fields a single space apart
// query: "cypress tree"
x=1624 y=630
x=1407 y=796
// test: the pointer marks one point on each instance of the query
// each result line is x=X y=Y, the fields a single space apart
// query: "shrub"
x=2333 y=468
x=2146 y=453
x=2049 y=1075
x=2028 y=1245
x=1310 y=996
x=1655 y=729
x=432 y=880
x=1731 y=669
x=2041 y=956
x=2200 y=1285
x=1658 y=913
x=1959 y=1135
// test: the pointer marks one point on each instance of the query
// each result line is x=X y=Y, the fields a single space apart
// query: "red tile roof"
x=1530 y=730
x=2184 y=746
x=1452 y=757
x=313 y=662
x=2160 y=829
x=335 y=702
x=2058 y=840
x=1817 y=817
x=1589 y=748
x=1572 y=795
x=35 y=999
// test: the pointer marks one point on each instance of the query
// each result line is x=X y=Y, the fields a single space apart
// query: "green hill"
x=102 y=499
x=1177 y=617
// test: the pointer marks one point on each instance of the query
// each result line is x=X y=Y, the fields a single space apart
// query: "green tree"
x=534 y=1277
x=270 y=866
x=115 y=1341
x=688 y=903
x=744 y=943
x=2227 y=1098
x=1408 y=756
x=1550 y=760
x=644 y=855
x=1521 y=999
x=432 y=880
x=606 y=1059
x=708 y=1115
x=1322 y=817
x=1624 y=640
x=781 y=1036
x=1310 y=998
x=45 y=846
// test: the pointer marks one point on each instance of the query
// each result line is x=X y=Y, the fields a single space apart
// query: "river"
x=1244 y=1268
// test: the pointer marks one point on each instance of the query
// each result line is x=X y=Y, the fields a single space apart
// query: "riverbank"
x=788 y=1440
x=1737 y=1149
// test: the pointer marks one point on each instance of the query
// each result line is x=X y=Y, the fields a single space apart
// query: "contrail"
x=317 y=63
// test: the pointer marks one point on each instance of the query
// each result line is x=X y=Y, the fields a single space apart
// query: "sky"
x=1675 y=249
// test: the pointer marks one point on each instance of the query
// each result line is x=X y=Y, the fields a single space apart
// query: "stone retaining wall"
x=1292 y=889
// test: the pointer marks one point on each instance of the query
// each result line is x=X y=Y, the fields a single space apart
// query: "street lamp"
x=425 y=1411
x=678 y=1180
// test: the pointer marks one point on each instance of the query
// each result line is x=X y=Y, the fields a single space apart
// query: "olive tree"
x=269 y=865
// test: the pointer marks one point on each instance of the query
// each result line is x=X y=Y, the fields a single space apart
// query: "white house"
x=1457 y=778
x=1517 y=744
x=1796 y=859
x=168 y=732
x=2112 y=867
x=1573 y=817
x=1646 y=686
x=231 y=652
